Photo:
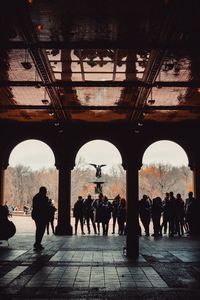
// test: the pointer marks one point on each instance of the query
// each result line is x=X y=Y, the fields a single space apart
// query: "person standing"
x=98 y=211
x=89 y=213
x=145 y=213
x=156 y=211
x=115 y=205
x=192 y=213
x=121 y=216
x=172 y=214
x=165 y=216
x=180 y=215
x=79 y=213
x=106 y=215
x=40 y=216
x=51 y=216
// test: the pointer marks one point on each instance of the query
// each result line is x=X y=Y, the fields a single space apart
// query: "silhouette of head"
x=145 y=197
x=190 y=194
x=43 y=190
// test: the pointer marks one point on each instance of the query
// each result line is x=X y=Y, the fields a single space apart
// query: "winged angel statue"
x=98 y=169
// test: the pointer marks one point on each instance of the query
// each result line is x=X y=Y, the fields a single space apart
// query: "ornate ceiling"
x=99 y=61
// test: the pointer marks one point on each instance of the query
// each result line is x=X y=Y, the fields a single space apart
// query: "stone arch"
x=85 y=143
x=10 y=148
x=176 y=156
x=105 y=142
x=184 y=146
x=36 y=158
x=179 y=147
x=97 y=152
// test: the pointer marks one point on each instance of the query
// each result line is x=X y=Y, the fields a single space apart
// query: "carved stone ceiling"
x=100 y=61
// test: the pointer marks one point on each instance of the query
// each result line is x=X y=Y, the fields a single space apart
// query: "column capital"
x=64 y=166
x=132 y=164
x=3 y=165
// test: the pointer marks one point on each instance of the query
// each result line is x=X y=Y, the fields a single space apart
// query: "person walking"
x=40 y=215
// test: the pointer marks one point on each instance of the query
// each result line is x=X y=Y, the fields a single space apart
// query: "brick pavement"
x=94 y=267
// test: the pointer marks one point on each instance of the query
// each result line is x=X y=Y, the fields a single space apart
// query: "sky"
x=38 y=155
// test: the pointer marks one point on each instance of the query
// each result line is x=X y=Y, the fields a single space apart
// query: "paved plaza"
x=95 y=267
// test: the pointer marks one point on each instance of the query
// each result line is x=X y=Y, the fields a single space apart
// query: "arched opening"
x=31 y=165
x=84 y=178
x=165 y=169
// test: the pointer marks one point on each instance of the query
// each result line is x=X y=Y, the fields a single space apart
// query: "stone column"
x=64 y=198
x=196 y=177
x=132 y=239
x=2 y=173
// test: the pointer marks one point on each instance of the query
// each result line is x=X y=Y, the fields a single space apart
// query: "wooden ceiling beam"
x=137 y=83
x=189 y=46
x=93 y=107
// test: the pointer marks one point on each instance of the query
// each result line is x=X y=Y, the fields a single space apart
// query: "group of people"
x=98 y=212
x=172 y=215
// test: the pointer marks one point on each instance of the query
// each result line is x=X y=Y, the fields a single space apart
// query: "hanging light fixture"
x=26 y=64
x=45 y=100
x=151 y=101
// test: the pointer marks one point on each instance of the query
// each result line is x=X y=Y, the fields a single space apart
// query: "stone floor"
x=94 y=267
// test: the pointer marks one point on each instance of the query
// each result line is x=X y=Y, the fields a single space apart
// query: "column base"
x=132 y=248
x=64 y=230
x=132 y=254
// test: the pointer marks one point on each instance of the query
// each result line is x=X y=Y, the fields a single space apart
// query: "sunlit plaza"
x=96 y=267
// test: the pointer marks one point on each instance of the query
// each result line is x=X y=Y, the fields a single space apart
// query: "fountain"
x=98 y=182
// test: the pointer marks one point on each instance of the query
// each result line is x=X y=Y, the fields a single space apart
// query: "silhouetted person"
x=40 y=215
x=98 y=211
x=7 y=228
x=51 y=216
x=172 y=214
x=79 y=214
x=181 y=215
x=106 y=214
x=115 y=205
x=156 y=210
x=192 y=213
x=121 y=216
x=89 y=213
x=165 y=216
x=145 y=213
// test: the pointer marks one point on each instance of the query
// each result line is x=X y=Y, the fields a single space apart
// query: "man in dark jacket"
x=40 y=215
x=145 y=213
x=79 y=213
x=89 y=213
